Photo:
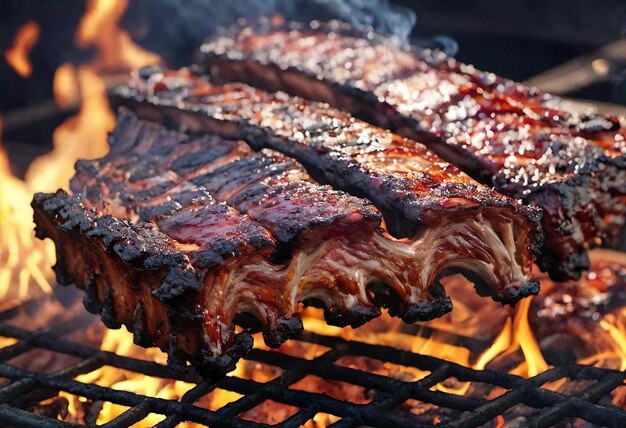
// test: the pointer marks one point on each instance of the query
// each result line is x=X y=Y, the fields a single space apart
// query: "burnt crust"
x=287 y=328
x=338 y=169
x=173 y=213
x=354 y=318
x=212 y=367
x=139 y=329
x=91 y=301
x=137 y=245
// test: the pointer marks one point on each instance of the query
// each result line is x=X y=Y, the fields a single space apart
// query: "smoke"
x=175 y=28
x=379 y=14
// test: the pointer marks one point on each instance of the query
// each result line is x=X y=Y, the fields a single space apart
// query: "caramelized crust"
x=135 y=275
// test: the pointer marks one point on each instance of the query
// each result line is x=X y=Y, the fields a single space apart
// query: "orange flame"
x=524 y=338
x=65 y=86
x=99 y=28
x=617 y=331
x=82 y=136
x=24 y=261
x=117 y=341
x=25 y=39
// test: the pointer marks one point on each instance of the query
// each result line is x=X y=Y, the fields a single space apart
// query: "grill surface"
x=547 y=408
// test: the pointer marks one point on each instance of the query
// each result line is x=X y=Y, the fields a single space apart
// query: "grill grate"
x=389 y=393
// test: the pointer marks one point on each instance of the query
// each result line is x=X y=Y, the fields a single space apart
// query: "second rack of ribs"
x=527 y=144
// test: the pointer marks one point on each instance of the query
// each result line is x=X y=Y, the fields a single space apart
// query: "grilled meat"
x=524 y=143
x=180 y=234
x=577 y=308
x=411 y=186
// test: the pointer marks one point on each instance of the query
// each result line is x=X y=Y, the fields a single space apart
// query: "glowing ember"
x=25 y=40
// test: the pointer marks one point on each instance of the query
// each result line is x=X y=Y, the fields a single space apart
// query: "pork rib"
x=414 y=189
x=521 y=141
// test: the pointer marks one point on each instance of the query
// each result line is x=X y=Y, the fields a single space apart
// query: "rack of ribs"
x=527 y=144
x=182 y=236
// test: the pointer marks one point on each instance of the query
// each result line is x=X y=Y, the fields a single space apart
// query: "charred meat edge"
x=127 y=271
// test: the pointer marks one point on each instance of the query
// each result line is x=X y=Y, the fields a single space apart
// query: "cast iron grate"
x=548 y=408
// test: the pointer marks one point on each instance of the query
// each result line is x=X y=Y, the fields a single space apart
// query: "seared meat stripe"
x=416 y=191
x=522 y=142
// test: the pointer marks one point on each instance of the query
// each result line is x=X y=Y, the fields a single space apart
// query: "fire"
x=99 y=28
x=24 y=261
x=25 y=40
x=616 y=327
x=525 y=340
x=65 y=86
x=82 y=136
x=117 y=341
x=500 y=345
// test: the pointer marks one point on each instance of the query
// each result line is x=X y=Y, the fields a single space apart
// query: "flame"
x=500 y=345
x=515 y=335
x=17 y=56
x=24 y=261
x=524 y=339
x=65 y=86
x=617 y=332
x=99 y=28
x=117 y=341
x=82 y=136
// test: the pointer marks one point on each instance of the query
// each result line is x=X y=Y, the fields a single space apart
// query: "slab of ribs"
x=525 y=143
x=222 y=205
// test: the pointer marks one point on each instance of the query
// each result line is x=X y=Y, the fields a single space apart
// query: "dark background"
x=519 y=39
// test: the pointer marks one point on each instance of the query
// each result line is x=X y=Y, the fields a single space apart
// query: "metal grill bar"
x=383 y=411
